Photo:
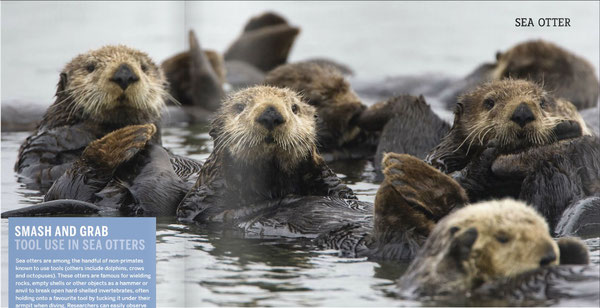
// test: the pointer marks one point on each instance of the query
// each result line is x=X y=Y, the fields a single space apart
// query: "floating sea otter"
x=98 y=92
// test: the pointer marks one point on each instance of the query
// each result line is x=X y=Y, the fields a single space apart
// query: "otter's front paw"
x=415 y=193
x=119 y=146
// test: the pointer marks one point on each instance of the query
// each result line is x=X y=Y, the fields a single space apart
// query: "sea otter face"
x=114 y=84
x=324 y=87
x=480 y=243
x=500 y=239
x=516 y=113
x=262 y=123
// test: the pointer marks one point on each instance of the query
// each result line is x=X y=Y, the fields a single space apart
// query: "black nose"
x=548 y=258
x=522 y=115
x=124 y=76
x=270 y=118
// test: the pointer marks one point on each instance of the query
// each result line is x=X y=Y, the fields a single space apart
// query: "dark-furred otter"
x=338 y=107
x=560 y=72
x=264 y=43
x=264 y=150
x=98 y=92
x=196 y=77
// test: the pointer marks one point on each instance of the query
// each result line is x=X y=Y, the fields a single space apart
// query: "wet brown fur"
x=196 y=76
x=265 y=42
x=403 y=203
x=325 y=88
x=563 y=74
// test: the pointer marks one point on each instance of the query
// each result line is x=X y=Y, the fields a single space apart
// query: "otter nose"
x=124 y=76
x=522 y=115
x=548 y=258
x=270 y=118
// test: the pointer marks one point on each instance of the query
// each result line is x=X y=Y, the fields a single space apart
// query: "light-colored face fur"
x=89 y=85
x=324 y=87
x=510 y=238
x=488 y=111
x=251 y=142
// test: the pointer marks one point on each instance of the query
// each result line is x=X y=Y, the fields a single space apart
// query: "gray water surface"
x=196 y=267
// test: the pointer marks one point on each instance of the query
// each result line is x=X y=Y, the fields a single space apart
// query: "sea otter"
x=559 y=71
x=264 y=150
x=264 y=43
x=338 y=107
x=196 y=77
x=98 y=91
x=504 y=123
x=493 y=245
x=123 y=173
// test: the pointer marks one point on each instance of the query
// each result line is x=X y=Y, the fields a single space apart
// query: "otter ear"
x=449 y=156
x=572 y=251
x=461 y=245
x=62 y=83
x=498 y=55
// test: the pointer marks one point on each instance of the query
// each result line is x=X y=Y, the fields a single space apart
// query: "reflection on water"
x=201 y=267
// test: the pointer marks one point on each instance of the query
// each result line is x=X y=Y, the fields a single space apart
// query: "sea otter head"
x=265 y=123
x=114 y=85
x=516 y=113
x=325 y=88
x=480 y=243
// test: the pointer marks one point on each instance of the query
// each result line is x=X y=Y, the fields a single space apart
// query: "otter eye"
x=295 y=108
x=502 y=238
x=90 y=67
x=543 y=103
x=454 y=230
x=488 y=103
x=239 y=107
x=144 y=67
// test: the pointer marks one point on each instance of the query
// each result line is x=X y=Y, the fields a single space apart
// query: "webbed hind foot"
x=414 y=194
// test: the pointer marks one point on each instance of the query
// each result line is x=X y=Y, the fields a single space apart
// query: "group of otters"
x=474 y=207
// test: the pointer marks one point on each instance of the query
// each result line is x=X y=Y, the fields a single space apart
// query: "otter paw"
x=513 y=165
x=119 y=146
x=422 y=186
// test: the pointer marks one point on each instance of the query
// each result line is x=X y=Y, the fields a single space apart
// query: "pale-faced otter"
x=122 y=173
x=98 y=92
x=507 y=140
x=265 y=42
x=338 y=107
x=517 y=114
x=410 y=202
x=196 y=77
x=493 y=242
x=264 y=150
x=562 y=73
